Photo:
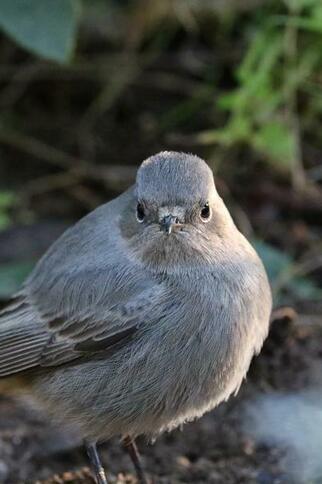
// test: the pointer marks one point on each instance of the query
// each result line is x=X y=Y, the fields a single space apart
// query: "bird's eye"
x=205 y=212
x=140 y=214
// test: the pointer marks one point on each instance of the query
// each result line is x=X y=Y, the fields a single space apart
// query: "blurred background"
x=90 y=88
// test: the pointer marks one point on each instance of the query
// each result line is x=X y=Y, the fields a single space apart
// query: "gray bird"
x=142 y=316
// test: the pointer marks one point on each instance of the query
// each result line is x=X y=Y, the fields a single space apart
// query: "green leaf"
x=6 y=199
x=4 y=221
x=237 y=130
x=45 y=27
x=277 y=142
x=228 y=101
x=258 y=70
x=12 y=276
x=311 y=24
x=254 y=53
x=300 y=4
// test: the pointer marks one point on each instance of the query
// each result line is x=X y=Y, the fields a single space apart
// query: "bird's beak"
x=168 y=223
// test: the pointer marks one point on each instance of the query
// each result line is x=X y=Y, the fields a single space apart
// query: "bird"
x=142 y=316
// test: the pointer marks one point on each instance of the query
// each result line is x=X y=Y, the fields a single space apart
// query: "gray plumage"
x=123 y=328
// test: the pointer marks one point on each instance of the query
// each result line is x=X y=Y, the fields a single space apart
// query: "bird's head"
x=177 y=215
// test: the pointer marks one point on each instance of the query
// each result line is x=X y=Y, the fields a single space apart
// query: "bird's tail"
x=21 y=338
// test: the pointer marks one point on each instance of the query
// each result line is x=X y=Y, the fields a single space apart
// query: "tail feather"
x=22 y=338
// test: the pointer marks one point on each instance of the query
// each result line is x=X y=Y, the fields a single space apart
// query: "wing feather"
x=28 y=339
x=85 y=295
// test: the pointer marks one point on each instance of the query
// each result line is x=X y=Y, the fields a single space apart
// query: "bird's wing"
x=85 y=296
x=21 y=340
x=34 y=334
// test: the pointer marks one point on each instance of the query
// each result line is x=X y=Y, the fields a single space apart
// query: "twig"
x=122 y=77
x=39 y=150
x=113 y=177
x=85 y=196
x=50 y=183
x=169 y=82
x=18 y=84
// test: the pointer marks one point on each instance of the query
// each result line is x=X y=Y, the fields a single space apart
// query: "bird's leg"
x=132 y=449
x=95 y=463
